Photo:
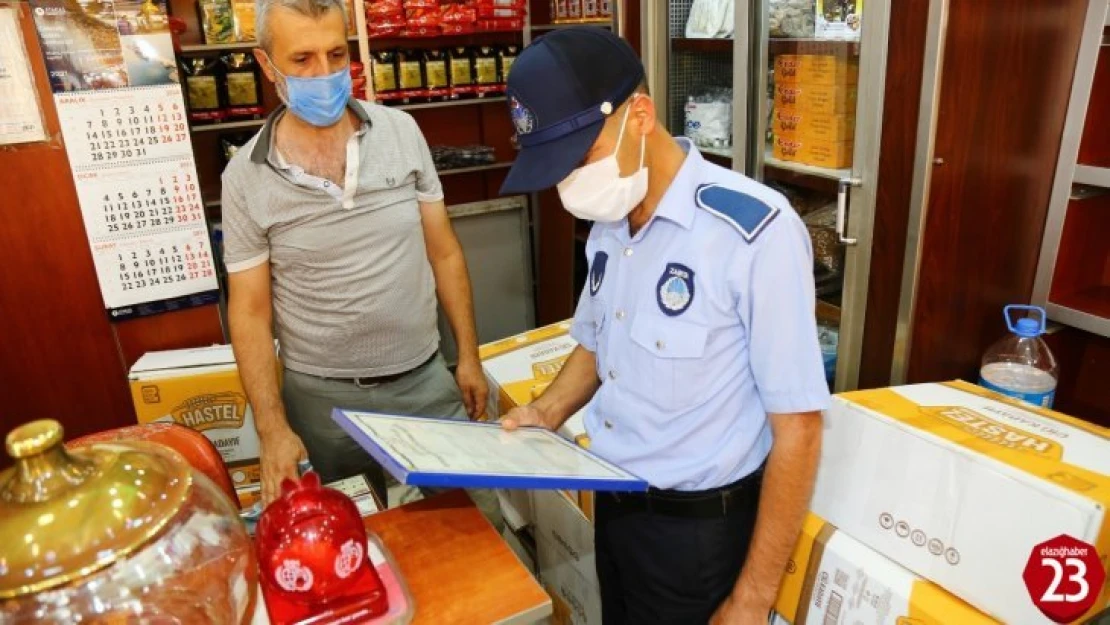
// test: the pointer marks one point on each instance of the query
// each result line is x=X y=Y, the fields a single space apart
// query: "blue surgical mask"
x=318 y=100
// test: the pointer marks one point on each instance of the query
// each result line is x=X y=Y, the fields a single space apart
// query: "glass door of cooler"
x=817 y=70
x=698 y=74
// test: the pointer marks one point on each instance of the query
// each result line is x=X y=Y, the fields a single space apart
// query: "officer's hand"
x=524 y=416
x=737 y=612
x=281 y=450
x=472 y=384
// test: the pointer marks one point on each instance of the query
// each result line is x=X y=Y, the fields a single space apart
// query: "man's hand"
x=472 y=383
x=524 y=416
x=739 y=612
x=281 y=450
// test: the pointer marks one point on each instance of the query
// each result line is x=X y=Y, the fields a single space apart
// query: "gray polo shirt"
x=353 y=291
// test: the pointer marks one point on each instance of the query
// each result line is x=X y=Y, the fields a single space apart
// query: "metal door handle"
x=844 y=186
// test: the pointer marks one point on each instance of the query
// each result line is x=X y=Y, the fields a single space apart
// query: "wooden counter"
x=458 y=569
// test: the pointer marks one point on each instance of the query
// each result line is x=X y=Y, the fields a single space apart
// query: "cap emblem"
x=523 y=117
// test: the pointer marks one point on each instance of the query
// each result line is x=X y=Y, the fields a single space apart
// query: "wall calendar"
x=115 y=82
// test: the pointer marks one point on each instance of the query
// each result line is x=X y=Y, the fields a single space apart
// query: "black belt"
x=703 y=504
x=383 y=379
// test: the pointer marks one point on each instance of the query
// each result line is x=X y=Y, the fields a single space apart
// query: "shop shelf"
x=605 y=24
x=433 y=105
x=810 y=44
x=718 y=152
x=1094 y=176
x=701 y=45
x=1080 y=290
x=476 y=168
x=249 y=123
x=202 y=48
x=809 y=170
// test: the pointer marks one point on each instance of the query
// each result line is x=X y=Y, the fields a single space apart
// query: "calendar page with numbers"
x=123 y=119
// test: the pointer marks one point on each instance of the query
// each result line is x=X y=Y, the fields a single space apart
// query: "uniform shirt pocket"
x=666 y=360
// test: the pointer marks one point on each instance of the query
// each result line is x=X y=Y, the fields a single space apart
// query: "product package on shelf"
x=243 y=12
x=460 y=64
x=967 y=488
x=200 y=389
x=217 y=21
x=436 y=84
x=709 y=117
x=383 y=71
x=447 y=158
x=839 y=19
x=580 y=11
x=825 y=154
x=711 y=19
x=205 y=88
x=244 y=86
x=813 y=117
x=833 y=579
x=358 y=80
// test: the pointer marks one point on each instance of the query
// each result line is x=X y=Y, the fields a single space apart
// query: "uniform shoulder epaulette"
x=748 y=215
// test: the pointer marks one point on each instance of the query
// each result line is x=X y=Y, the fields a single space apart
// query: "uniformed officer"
x=698 y=359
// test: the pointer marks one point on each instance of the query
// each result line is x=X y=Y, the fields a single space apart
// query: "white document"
x=20 y=115
x=437 y=452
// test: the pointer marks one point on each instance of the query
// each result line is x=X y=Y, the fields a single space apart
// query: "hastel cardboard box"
x=817 y=99
x=200 y=388
x=833 y=579
x=958 y=484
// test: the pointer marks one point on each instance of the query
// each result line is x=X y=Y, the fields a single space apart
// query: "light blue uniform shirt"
x=701 y=324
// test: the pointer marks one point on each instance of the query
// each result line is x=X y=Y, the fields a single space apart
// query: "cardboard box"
x=817 y=153
x=834 y=68
x=565 y=558
x=958 y=485
x=816 y=99
x=200 y=388
x=518 y=369
x=792 y=123
x=833 y=579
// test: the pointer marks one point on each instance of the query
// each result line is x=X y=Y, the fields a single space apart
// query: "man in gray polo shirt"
x=337 y=241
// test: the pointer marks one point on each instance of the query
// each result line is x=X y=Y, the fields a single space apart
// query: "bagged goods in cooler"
x=709 y=118
x=791 y=18
x=959 y=485
x=244 y=86
x=711 y=19
x=827 y=251
x=217 y=20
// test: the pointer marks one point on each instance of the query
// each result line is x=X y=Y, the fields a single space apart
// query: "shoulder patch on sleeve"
x=748 y=215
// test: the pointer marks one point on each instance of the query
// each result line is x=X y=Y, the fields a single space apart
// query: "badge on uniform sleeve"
x=597 y=271
x=676 y=289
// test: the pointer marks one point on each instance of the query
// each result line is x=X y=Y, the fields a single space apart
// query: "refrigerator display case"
x=807 y=86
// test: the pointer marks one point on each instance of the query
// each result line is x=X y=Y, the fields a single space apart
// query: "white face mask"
x=597 y=192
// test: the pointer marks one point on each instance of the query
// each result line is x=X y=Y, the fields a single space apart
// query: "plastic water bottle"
x=1021 y=365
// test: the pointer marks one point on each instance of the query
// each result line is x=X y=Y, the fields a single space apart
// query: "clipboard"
x=448 y=453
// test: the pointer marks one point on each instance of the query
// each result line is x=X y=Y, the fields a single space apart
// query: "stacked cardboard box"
x=833 y=579
x=519 y=369
x=957 y=485
x=200 y=389
x=814 y=108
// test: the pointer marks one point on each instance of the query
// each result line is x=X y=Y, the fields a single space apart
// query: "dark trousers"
x=663 y=568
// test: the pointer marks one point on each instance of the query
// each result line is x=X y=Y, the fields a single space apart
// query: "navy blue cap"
x=560 y=90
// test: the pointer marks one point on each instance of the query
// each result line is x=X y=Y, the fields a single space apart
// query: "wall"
x=61 y=358
x=1006 y=78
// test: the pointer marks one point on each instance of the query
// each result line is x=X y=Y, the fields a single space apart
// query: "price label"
x=124 y=126
x=1064 y=577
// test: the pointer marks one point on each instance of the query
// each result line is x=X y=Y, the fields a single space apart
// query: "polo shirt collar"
x=262 y=145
